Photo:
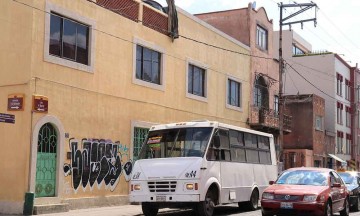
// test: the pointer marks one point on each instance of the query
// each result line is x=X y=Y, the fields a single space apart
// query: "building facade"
x=305 y=145
x=255 y=29
x=329 y=76
x=83 y=81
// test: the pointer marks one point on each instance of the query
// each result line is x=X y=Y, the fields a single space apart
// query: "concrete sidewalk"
x=123 y=210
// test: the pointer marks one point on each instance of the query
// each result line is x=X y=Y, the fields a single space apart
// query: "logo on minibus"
x=192 y=174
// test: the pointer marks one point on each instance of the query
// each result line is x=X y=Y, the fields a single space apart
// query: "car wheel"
x=149 y=209
x=253 y=204
x=266 y=214
x=206 y=208
x=346 y=210
x=357 y=204
x=328 y=209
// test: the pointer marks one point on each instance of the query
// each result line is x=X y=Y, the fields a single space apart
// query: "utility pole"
x=303 y=7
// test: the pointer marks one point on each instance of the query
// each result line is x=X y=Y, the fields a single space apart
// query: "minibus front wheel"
x=149 y=209
x=206 y=207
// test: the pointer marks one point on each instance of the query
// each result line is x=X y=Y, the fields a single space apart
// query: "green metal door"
x=46 y=162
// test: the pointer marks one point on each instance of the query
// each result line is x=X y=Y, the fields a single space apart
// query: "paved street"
x=135 y=210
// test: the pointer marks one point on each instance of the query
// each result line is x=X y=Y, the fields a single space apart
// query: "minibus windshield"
x=179 y=142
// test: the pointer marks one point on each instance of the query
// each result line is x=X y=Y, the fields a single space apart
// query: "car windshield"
x=348 y=178
x=303 y=177
x=180 y=142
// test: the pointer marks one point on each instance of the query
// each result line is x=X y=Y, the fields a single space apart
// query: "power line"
x=339 y=30
x=315 y=85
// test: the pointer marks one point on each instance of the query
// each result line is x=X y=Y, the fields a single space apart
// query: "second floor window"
x=196 y=81
x=348 y=116
x=261 y=37
x=339 y=117
x=339 y=84
x=261 y=94
x=234 y=93
x=148 y=65
x=69 y=39
x=340 y=107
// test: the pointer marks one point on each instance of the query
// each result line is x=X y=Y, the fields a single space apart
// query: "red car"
x=306 y=191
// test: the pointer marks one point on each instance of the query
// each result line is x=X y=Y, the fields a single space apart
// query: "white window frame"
x=157 y=48
x=262 y=37
x=50 y=7
x=203 y=66
x=229 y=106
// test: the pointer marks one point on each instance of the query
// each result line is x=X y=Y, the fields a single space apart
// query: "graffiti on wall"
x=97 y=162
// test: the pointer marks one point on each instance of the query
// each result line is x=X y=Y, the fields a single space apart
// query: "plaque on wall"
x=40 y=104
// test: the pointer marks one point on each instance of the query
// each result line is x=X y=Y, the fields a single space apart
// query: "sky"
x=337 y=29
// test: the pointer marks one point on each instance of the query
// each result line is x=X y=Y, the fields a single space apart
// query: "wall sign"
x=16 y=102
x=40 y=103
x=7 y=118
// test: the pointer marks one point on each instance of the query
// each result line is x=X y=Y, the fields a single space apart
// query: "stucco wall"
x=103 y=103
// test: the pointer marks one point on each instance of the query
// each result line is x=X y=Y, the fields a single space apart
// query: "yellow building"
x=82 y=81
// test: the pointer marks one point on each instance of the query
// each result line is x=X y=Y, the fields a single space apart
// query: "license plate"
x=160 y=198
x=286 y=205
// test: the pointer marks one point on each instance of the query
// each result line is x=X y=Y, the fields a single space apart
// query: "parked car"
x=306 y=191
x=352 y=181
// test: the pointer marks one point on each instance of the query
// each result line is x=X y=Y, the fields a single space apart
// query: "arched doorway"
x=46 y=161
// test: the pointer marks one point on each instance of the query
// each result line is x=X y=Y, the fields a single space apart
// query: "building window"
x=276 y=104
x=69 y=39
x=138 y=140
x=347 y=89
x=358 y=94
x=339 y=117
x=348 y=116
x=261 y=94
x=261 y=37
x=339 y=142
x=339 y=84
x=234 y=93
x=319 y=123
x=196 y=80
x=297 y=51
x=348 y=144
x=148 y=65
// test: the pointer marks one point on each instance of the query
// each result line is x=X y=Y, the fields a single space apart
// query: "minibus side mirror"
x=216 y=141
x=336 y=185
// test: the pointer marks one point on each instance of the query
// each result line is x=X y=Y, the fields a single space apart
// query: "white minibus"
x=201 y=164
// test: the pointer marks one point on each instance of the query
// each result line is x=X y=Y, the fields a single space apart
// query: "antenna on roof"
x=253 y=6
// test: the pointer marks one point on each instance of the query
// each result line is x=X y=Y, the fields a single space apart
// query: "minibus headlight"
x=137 y=187
x=190 y=186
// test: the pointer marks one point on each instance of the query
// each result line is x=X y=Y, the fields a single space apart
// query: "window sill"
x=148 y=84
x=68 y=63
x=196 y=97
x=239 y=109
